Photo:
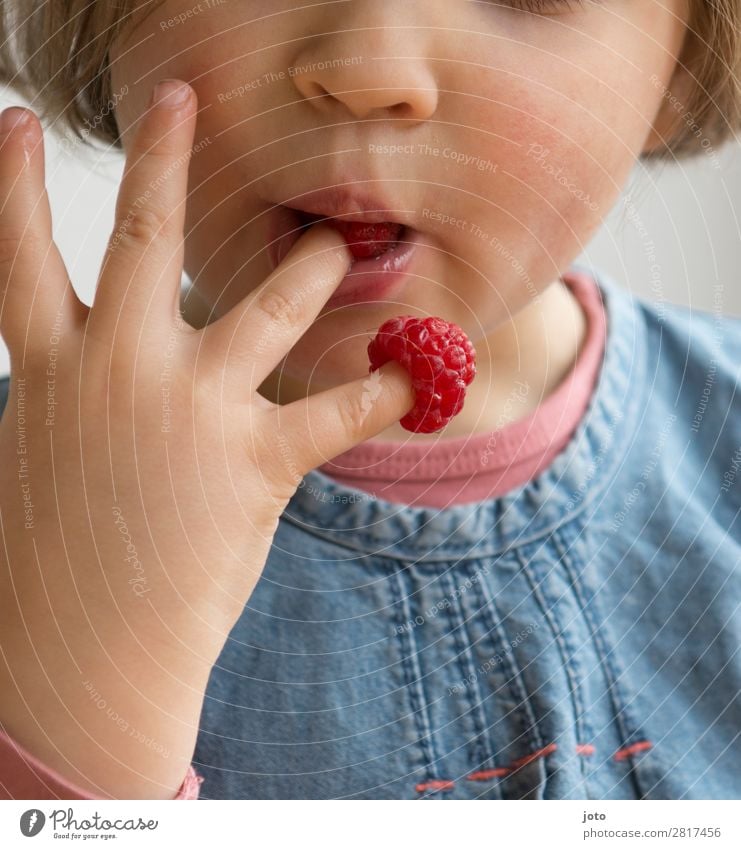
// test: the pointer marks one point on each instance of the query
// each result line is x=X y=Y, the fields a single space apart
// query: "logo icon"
x=32 y=822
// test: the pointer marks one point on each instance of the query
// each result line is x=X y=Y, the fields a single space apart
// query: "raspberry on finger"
x=440 y=359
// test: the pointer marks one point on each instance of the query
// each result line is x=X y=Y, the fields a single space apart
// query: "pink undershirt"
x=437 y=474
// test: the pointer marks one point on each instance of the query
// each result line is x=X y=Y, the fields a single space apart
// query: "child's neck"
x=518 y=365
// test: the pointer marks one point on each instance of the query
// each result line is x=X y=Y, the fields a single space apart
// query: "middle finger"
x=143 y=263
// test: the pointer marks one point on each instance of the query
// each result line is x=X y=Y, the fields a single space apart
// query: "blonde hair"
x=55 y=53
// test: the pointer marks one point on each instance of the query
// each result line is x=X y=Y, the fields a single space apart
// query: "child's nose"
x=383 y=72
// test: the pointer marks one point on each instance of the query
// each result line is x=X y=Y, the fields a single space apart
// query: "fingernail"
x=170 y=94
x=13 y=117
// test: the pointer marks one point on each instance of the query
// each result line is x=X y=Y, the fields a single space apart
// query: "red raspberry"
x=368 y=240
x=439 y=357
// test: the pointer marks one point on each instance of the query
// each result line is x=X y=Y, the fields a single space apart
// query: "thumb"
x=335 y=420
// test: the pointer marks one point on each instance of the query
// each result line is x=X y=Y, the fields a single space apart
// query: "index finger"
x=263 y=327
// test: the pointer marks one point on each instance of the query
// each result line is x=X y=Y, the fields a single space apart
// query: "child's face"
x=521 y=127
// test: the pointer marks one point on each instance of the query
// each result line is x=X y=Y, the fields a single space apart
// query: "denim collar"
x=575 y=479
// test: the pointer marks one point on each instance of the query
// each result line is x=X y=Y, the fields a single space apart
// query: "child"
x=210 y=589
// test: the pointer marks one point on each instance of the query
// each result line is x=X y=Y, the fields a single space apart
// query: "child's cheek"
x=568 y=118
x=547 y=194
x=570 y=149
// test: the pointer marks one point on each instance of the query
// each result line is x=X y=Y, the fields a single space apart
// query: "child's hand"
x=141 y=474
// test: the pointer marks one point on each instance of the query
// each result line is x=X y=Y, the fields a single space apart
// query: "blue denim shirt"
x=576 y=638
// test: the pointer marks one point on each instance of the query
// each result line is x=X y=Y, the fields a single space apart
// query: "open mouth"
x=366 y=240
x=383 y=251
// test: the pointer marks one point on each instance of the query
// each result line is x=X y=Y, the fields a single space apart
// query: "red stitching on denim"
x=485 y=774
x=585 y=749
x=435 y=785
x=546 y=750
x=627 y=751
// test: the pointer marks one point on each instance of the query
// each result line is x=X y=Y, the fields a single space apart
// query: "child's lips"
x=366 y=239
x=373 y=276
x=382 y=278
